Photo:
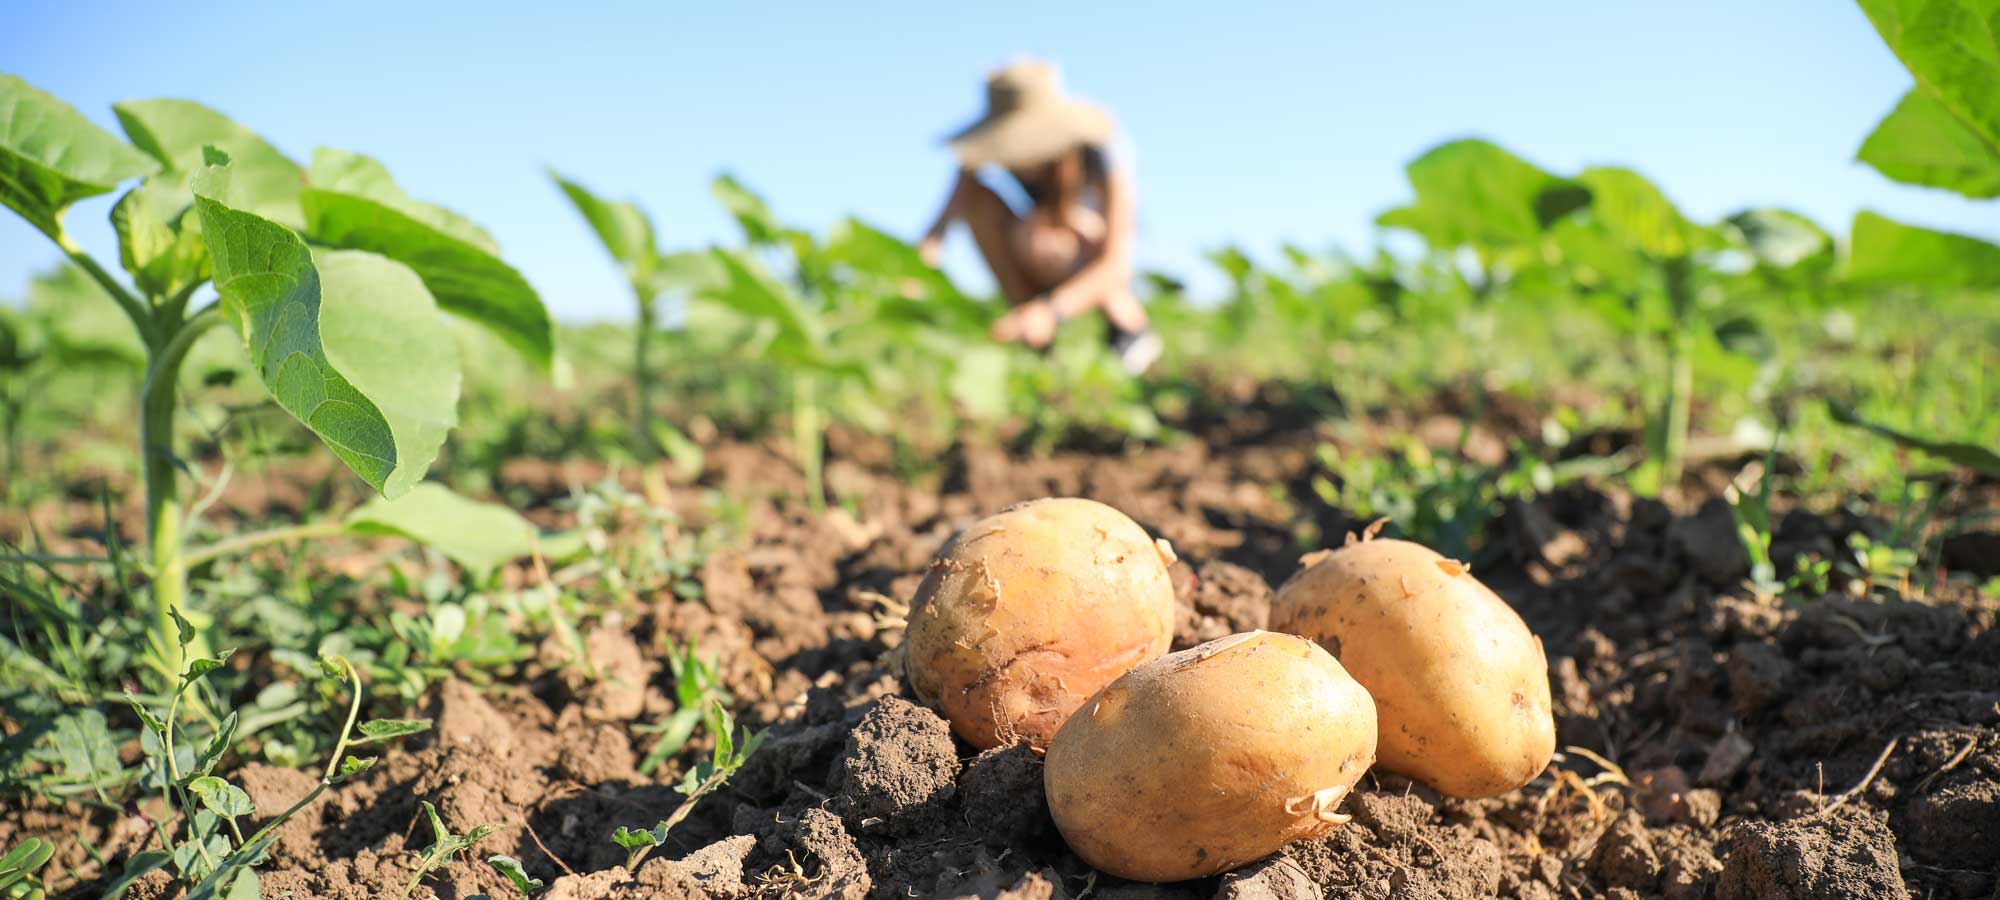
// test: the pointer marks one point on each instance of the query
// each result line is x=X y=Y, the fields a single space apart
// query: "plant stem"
x=163 y=507
x=642 y=367
x=135 y=309
x=242 y=542
x=809 y=438
x=1680 y=377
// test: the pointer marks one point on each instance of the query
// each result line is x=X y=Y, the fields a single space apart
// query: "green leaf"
x=751 y=212
x=478 y=536
x=83 y=745
x=271 y=292
x=135 y=869
x=175 y=132
x=199 y=668
x=1634 y=211
x=382 y=330
x=632 y=839
x=355 y=765
x=24 y=860
x=753 y=293
x=221 y=797
x=1885 y=251
x=233 y=867
x=381 y=730
x=1780 y=239
x=1472 y=191
x=159 y=236
x=146 y=716
x=1972 y=456
x=1952 y=47
x=218 y=745
x=511 y=868
x=622 y=227
x=1921 y=142
x=184 y=630
x=51 y=156
x=351 y=202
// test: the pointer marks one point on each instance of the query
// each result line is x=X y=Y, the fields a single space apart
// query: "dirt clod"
x=1849 y=855
x=899 y=768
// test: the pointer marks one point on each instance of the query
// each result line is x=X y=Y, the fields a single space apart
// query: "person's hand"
x=1032 y=323
x=931 y=249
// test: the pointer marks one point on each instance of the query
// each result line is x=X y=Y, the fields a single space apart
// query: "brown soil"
x=1724 y=743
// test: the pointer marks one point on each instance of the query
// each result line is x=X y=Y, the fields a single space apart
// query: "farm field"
x=332 y=565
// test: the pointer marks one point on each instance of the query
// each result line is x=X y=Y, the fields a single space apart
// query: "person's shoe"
x=1137 y=350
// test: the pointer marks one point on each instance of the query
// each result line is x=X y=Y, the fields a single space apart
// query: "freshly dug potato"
x=1206 y=759
x=1460 y=684
x=1029 y=611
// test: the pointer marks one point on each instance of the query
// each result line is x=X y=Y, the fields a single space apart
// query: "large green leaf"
x=759 y=225
x=750 y=291
x=51 y=156
x=351 y=202
x=265 y=181
x=382 y=330
x=159 y=236
x=1952 y=47
x=480 y=537
x=1885 y=251
x=1972 y=456
x=1921 y=142
x=1780 y=239
x=622 y=227
x=271 y=292
x=1633 y=210
x=1472 y=191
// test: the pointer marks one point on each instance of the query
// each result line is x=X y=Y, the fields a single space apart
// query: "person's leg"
x=993 y=225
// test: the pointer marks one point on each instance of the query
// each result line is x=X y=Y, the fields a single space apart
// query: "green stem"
x=808 y=436
x=135 y=309
x=1680 y=376
x=642 y=367
x=163 y=507
x=243 y=542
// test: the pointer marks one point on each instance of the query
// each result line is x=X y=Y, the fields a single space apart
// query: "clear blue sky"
x=1252 y=122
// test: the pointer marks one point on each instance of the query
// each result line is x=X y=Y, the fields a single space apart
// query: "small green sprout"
x=444 y=846
x=731 y=750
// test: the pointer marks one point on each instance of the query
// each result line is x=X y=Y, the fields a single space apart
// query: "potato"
x=1206 y=759
x=1460 y=684
x=1026 y=613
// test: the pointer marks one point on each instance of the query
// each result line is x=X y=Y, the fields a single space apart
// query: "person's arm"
x=932 y=243
x=1113 y=264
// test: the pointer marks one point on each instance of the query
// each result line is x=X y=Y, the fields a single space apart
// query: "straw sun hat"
x=1029 y=119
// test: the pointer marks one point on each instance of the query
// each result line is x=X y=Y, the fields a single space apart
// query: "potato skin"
x=1203 y=760
x=1460 y=683
x=1029 y=611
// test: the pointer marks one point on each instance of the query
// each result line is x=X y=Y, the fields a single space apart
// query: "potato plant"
x=329 y=275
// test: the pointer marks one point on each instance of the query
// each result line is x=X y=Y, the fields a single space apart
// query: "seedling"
x=732 y=749
x=206 y=845
x=696 y=690
x=627 y=233
x=444 y=846
x=344 y=333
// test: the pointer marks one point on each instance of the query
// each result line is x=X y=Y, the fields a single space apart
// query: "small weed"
x=445 y=845
x=732 y=749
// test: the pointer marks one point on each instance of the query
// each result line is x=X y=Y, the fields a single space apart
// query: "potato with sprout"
x=1027 y=612
x=1461 y=686
x=1206 y=759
